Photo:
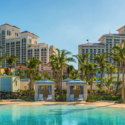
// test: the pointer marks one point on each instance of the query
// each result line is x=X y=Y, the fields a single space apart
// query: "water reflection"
x=61 y=115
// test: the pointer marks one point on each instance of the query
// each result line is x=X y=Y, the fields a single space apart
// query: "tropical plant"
x=116 y=57
x=74 y=75
x=92 y=69
x=47 y=75
x=109 y=82
x=102 y=62
x=10 y=60
x=70 y=69
x=62 y=58
x=121 y=50
x=82 y=59
x=32 y=63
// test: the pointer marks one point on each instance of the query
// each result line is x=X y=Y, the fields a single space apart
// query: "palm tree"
x=82 y=60
x=62 y=59
x=32 y=63
x=116 y=57
x=74 y=75
x=10 y=60
x=112 y=69
x=121 y=50
x=101 y=60
x=108 y=82
x=92 y=69
x=47 y=75
x=70 y=69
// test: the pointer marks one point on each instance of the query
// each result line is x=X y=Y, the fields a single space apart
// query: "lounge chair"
x=80 y=98
x=49 y=97
x=40 y=97
x=71 y=97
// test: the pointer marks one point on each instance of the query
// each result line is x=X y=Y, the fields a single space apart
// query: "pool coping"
x=75 y=103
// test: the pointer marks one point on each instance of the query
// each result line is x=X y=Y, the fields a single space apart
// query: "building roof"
x=110 y=35
x=44 y=81
x=120 y=28
x=76 y=81
x=67 y=80
x=20 y=67
x=29 y=33
x=92 y=44
x=9 y=25
x=25 y=79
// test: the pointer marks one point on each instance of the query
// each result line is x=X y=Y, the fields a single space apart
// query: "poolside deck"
x=76 y=103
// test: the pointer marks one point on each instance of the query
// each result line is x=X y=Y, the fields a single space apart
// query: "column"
x=85 y=92
x=53 y=92
x=68 y=93
x=36 y=92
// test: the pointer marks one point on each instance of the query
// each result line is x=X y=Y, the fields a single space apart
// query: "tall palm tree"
x=32 y=63
x=61 y=57
x=10 y=60
x=92 y=69
x=101 y=60
x=121 y=50
x=116 y=57
x=82 y=59
x=70 y=69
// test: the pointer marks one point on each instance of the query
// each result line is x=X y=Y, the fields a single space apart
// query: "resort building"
x=106 y=42
x=24 y=45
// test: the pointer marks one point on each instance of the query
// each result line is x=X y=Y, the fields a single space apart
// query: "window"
x=15 y=83
x=3 y=32
x=98 y=50
x=94 y=50
x=24 y=40
x=102 y=50
x=86 y=50
x=90 y=50
x=8 y=33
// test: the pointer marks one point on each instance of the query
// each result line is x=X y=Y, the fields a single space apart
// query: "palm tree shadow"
x=69 y=111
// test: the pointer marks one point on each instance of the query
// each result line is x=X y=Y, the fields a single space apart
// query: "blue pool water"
x=61 y=115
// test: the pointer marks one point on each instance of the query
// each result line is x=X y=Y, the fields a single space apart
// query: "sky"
x=65 y=23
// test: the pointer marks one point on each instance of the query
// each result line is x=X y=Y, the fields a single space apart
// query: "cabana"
x=82 y=85
x=49 y=89
x=64 y=86
x=24 y=83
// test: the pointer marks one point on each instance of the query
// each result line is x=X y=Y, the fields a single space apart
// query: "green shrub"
x=104 y=97
x=88 y=91
x=57 y=97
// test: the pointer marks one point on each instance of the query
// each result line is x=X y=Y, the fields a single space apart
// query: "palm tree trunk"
x=30 y=85
x=101 y=77
x=116 y=91
x=123 y=82
x=10 y=70
x=82 y=76
x=60 y=94
x=91 y=86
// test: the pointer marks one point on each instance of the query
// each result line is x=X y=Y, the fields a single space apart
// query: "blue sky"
x=65 y=23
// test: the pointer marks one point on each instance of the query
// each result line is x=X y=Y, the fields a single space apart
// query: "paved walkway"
x=76 y=103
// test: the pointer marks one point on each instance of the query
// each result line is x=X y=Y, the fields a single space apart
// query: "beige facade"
x=24 y=45
x=106 y=42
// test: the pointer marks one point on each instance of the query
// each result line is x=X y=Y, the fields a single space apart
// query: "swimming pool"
x=61 y=115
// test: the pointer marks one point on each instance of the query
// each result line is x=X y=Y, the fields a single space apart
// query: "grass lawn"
x=0 y=100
